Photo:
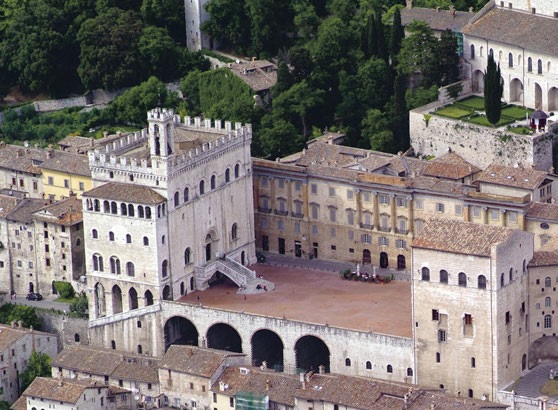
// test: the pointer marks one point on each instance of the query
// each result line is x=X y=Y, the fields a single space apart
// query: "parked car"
x=34 y=296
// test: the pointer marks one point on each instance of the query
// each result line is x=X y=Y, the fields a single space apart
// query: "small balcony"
x=401 y=231
x=297 y=215
x=384 y=228
x=283 y=213
x=264 y=210
x=366 y=226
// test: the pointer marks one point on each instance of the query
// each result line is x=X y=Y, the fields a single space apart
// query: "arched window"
x=140 y=212
x=163 y=239
x=96 y=205
x=443 y=276
x=130 y=210
x=471 y=393
x=234 y=232
x=409 y=372
x=425 y=274
x=113 y=208
x=76 y=338
x=547 y=282
x=97 y=262
x=145 y=241
x=438 y=357
x=187 y=256
x=236 y=171
x=111 y=236
x=348 y=362
x=94 y=234
x=115 y=265
x=524 y=266
x=547 y=322
x=473 y=362
x=128 y=238
x=148 y=212
x=202 y=187
x=389 y=368
x=539 y=66
x=78 y=242
x=176 y=199
x=130 y=270
x=530 y=65
x=368 y=365
x=547 y=301
x=113 y=345
x=164 y=268
x=106 y=207
x=140 y=349
x=227 y=175
x=472 y=51
x=511 y=274
x=212 y=182
x=502 y=279
x=462 y=279
x=148 y=297
x=186 y=194
x=481 y=282
x=510 y=60
x=123 y=209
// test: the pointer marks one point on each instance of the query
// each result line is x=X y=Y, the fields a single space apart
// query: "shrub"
x=64 y=289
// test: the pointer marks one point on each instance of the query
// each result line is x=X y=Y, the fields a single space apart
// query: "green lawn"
x=521 y=130
x=453 y=111
x=481 y=120
x=112 y=130
x=515 y=112
x=550 y=388
x=475 y=103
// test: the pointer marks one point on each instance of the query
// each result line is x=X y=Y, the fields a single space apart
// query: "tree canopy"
x=38 y=366
x=493 y=89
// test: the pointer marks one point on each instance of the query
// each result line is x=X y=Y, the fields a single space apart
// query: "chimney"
x=409 y=4
x=321 y=369
x=302 y=381
x=267 y=384
x=19 y=324
x=470 y=10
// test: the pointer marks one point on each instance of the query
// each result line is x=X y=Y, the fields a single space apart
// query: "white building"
x=171 y=211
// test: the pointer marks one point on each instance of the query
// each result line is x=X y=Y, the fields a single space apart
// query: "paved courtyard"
x=321 y=297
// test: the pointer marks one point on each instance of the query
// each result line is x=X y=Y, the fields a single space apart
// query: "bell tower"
x=161 y=132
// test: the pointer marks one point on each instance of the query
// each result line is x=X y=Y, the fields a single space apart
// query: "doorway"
x=265 y=243
x=384 y=260
x=401 y=263
x=298 y=249
x=281 y=246
x=315 y=246
x=366 y=257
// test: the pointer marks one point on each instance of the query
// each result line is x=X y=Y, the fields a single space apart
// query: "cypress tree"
x=493 y=90
x=396 y=37
x=381 y=38
x=372 y=43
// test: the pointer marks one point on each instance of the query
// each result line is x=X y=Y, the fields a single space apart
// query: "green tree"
x=374 y=83
x=297 y=103
x=109 y=55
x=493 y=89
x=39 y=366
x=376 y=129
x=397 y=35
x=132 y=106
x=418 y=53
x=14 y=313
x=278 y=138
x=421 y=96
x=227 y=23
x=306 y=19
x=448 y=59
x=168 y=14
x=190 y=89
x=400 y=114
x=159 y=53
x=80 y=306
x=64 y=289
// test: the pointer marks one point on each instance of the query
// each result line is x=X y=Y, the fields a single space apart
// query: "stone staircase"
x=533 y=381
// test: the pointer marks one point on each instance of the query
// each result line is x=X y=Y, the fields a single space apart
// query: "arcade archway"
x=224 y=337
x=311 y=353
x=267 y=346
x=180 y=331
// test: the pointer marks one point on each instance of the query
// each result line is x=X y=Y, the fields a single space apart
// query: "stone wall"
x=65 y=327
x=433 y=135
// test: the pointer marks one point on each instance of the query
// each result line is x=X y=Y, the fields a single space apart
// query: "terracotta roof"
x=437 y=185
x=76 y=144
x=280 y=387
x=20 y=404
x=141 y=369
x=24 y=211
x=541 y=210
x=332 y=155
x=67 y=212
x=516 y=177
x=449 y=166
x=7 y=204
x=194 y=360
x=438 y=20
x=67 y=162
x=259 y=75
x=547 y=255
x=126 y=192
x=524 y=30
x=88 y=360
x=9 y=334
x=461 y=237
x=15 y=157
x=67 y=391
